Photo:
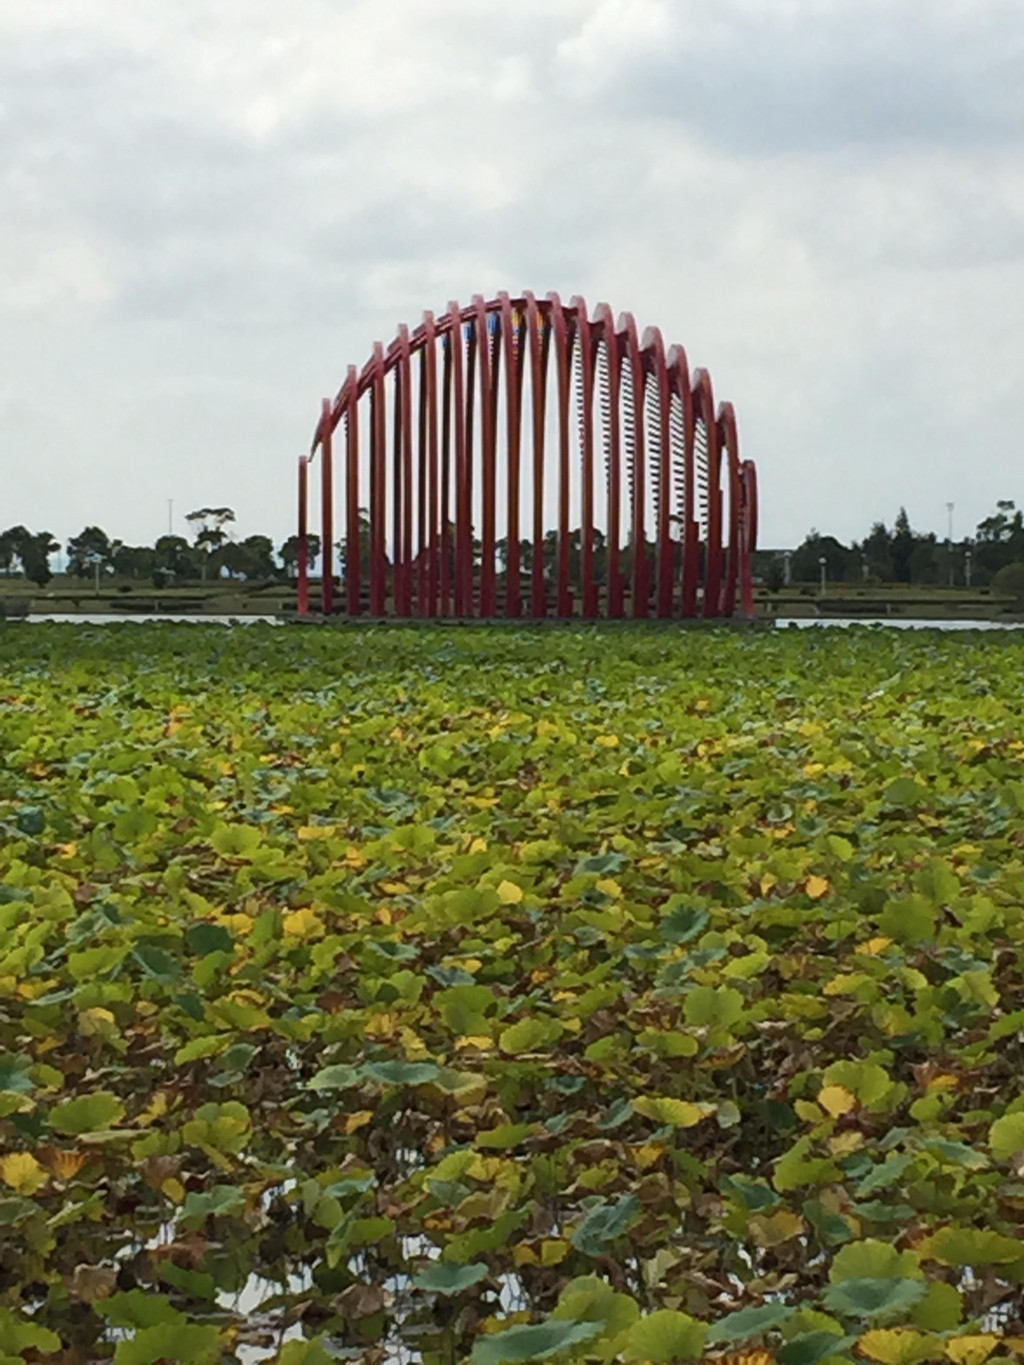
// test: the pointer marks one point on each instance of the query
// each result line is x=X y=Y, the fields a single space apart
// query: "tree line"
x=211 y=553
x=903 y=555
x=896 y=555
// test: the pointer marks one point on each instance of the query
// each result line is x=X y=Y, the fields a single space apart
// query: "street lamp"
x=787 y=556
x=821 y=564
x=967 y=568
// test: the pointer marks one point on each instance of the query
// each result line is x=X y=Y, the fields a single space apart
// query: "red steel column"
x=654 y=353
x=446 y=479
x=327 y=507
x=302 y=587
x=586 y=399
x=563 y=360
x=353 y=584
x=538 y=391
x=704 y=397
x=422 y=552
x=749 y=537
x=403 y=479
x=631 y=360
x=728 y=439
x=378 y=477
x=430 y=379
x=488 y=456
x=513 y=355
x=463 y=532
x=679 y=388
x=613 y=456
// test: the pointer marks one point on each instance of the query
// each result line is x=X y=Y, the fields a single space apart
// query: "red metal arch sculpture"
x=421 y=530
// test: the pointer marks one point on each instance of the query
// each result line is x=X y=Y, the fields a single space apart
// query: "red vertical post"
x=463 y=532
x=748 y=538
x=327 y=507
x=563 y=361
x=654 y=357
x=513 y=354
x=430 y=381
x=631 y=363
x=378 y=487
x=704 y=399
x=679 y=389
x=353 y=584
x=407 y=484
x=728 y=444
x=538 y=602
x=422 y=553
x=612 y=444
x=488 y=458
x=586 y=401
x=302 y=587
x=446 y=478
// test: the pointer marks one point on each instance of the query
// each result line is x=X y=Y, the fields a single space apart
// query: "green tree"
x=1010 y=580
x=841 y=563
x=35 y=553
x=902 y=547
x=208 y=524
x=877 y=551
x=89 y=550
x=10 y=540
x=999 y=540
x=134 y=561
x=289 y=552
x=175 y=561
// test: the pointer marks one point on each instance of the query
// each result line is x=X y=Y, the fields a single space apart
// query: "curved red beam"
x=629 y=402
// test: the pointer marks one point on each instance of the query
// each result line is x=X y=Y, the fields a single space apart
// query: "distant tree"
x=902 y=547
x=88 y=550
x=289 y=552
x=10 y=541
x=35 y=553
x=999 y=541
x=174 y=561
x=258 y=557
x=877 y=553
x=775 y=575
x=841 y=563
x=1010 y=580
x=210 y=535
x=134 y=561
x=926 y=566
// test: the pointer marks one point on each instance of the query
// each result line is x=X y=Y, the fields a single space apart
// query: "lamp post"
x=967 y=568
x=822 y=562
x=787 y=556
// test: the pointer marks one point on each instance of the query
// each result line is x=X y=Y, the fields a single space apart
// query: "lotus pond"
x=444 y=995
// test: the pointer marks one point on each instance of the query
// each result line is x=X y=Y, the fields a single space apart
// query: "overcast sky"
x=210 y=207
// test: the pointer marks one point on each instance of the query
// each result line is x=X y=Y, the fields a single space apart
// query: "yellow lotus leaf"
x=509 y=893
x=898 y=1345
x=816 y=887
x=772 y=1230
x=22 y=1172
x=303 y=924
x=873 y=947
x=971 y=1350
x=836 y=1100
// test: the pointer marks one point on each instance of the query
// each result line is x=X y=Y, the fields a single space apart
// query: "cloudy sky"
x=210 y=207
